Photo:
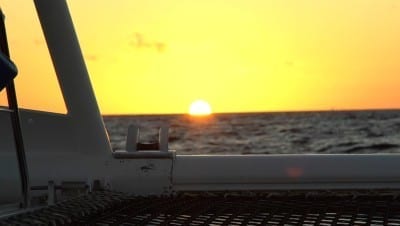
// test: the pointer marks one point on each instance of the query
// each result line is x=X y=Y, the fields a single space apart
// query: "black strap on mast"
x=15 y=120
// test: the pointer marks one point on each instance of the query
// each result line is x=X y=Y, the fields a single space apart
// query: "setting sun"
x=200 y=108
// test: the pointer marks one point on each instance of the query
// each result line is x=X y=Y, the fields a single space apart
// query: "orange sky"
x=158 y=56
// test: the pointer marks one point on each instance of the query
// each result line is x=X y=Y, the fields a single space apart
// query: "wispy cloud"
x=91 y=57
x=141 y=42
x=38 y=42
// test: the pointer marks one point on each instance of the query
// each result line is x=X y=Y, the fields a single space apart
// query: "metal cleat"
x=137 y=149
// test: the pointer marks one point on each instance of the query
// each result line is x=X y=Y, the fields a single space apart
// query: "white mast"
x=72 y=75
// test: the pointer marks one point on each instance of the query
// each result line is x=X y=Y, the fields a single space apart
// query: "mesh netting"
x=105 y=208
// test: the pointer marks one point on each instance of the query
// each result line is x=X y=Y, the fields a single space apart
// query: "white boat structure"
x=67 y=172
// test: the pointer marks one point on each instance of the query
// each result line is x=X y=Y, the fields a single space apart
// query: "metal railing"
x=15 y=120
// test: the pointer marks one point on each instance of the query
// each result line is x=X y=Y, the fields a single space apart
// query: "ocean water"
x=341 y=132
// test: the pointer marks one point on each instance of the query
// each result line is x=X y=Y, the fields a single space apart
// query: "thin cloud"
x=91 y=57
x=289 y=63
x=140 y=42
x=38 y=42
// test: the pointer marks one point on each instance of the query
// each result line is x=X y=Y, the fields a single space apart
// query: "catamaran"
x=60 y=169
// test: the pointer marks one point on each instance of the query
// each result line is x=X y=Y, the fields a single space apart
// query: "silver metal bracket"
x=137 y=149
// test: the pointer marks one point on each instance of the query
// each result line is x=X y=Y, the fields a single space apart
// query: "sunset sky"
x=158 y=56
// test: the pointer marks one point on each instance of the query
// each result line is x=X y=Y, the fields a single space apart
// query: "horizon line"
x=261 y=112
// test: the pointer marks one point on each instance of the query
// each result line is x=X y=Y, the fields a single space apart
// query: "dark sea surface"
x=341 y=132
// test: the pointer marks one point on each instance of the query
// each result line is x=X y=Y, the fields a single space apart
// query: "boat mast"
x=72 y=75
